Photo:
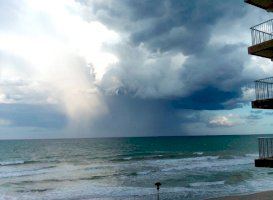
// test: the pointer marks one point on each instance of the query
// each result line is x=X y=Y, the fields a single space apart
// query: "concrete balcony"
x=262 y=40
x=264 y=94
x=264 y=4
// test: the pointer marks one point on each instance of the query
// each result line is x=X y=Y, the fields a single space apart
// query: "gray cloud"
x=176 y=59
x=175 y=55
x=157 y=33
x=170 y=24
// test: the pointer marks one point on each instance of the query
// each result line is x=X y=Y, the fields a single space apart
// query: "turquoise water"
x=127 y=168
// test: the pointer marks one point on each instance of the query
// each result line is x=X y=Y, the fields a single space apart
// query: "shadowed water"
x=127 y=168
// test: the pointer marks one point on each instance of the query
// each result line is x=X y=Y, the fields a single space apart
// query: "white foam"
x=127 y=158
x=198 y=153
x=253 y=155
x=202 y=184
x=22 y=173
x=208 y=162
x=15 y=162
x=143 y=172
x=9 y=197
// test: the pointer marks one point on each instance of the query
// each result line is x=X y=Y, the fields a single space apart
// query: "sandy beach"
x=257 y=196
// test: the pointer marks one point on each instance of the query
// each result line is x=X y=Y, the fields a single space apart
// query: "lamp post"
x=158 y=184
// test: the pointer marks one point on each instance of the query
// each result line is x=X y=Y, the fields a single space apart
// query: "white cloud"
x=248 y=94
x=224 y=121
x=45 y=54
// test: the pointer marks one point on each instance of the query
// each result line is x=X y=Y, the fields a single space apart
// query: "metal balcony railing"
x=264 y=88
x=265 y=147
x=262 y=32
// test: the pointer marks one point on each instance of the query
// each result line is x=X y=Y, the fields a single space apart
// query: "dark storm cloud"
x=133 y=116
x=206 y=99
x=183 y=26
x=152 y=94
x=212 y=74
x=205 y=81
x=216 y=76
x=130 y=116
x=169 y=25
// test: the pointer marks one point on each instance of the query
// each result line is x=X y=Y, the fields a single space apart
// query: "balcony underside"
x=264 y=49
x=263 y=104
x=264 y=4
x=264 y=162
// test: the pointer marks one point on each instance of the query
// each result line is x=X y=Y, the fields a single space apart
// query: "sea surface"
x=127 y=168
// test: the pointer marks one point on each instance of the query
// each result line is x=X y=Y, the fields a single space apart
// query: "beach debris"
x=158 y=184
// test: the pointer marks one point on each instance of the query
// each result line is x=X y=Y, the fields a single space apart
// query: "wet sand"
x=257 y=196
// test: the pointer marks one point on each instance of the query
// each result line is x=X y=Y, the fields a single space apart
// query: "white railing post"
x=262 y=32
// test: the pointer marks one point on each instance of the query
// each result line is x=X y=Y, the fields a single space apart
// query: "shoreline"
x=267 y=195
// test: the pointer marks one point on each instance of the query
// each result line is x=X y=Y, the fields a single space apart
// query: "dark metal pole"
x=157 y=184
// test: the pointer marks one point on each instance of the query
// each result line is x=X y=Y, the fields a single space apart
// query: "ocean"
x=127 y=168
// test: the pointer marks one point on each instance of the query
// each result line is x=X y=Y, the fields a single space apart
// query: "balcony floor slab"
x=264 y=4
x=264 y=49
x=264 y=162
x=263 y=104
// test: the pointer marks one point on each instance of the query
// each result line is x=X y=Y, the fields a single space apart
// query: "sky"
x=114 y=68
